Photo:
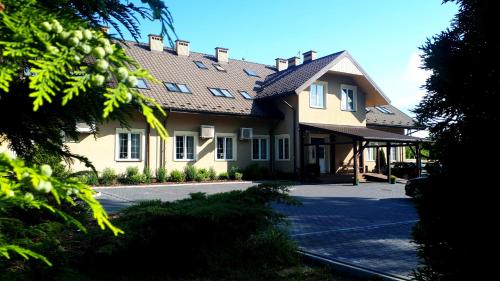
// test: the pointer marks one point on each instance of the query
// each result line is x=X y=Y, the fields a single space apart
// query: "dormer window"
x=348 y=97
x=219 y=67
x=251 y=73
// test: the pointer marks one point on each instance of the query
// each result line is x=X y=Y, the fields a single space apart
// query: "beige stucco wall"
x=332 y=113
x=286 y=127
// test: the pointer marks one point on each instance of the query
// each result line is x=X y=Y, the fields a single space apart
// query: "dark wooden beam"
x=333 y=167
x=419 y=161
x=355 y=159
x=388 y=162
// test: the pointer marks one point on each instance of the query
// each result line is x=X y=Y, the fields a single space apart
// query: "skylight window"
x=251 y=73
x=141 y=84
x=181 y=88
x=246 y=95
x=219 y=67
x=221 y=92
x=216 y=92
x=383 y=110
x=367 y=109
x=200 y=64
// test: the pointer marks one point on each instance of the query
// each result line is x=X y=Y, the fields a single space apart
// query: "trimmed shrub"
x=233 y=171
x=224 y=176
x=132 y=176
x=177 y=176
x=238 y=176
x=108 y=176
x=190 y=172
x=256 y=172
x=202 y=175
x=212 y=175
x=147 y=175
x=226 y=236
x=87 y=177
x=161 y=174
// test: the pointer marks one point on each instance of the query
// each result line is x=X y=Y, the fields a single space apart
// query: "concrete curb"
x=173 y=184
x=350 y=269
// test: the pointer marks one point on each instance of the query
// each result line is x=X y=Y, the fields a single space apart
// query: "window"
x=173 y=87
x=128 y=145
x=367 y=109
x=218 y=67
x=317 y=95
x=348 y=99
x=141 y=84
x=251 y=73
x=221 y=92
x=246 y=95
x=200 y=64
x=225 y=146
x=383 y=110
x=371 y=154
x=282 y=148
x=394 y=152
x=185 y=146
x=260 y=148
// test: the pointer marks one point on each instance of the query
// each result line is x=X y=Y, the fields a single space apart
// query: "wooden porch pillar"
x=333 y=167
x=418 y=160
x=316 y=157
x=355 y=159
x=302 y=148
x=362 y=157
x=389 y=162
x=378 y=159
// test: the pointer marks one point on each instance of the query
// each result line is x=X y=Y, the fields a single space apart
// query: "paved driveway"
x=368 y=226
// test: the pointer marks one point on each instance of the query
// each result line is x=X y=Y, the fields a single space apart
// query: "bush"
x=255 y=172
x=161 y=174
x=87 y=177
x=238 y=176
x=405 y=170
x=190 y=172
x=233 y=171
x=177 y=176
x=147 y=175
x=226 y=236
x=224 y=176
x=108 y=176
x=212 y=175
x=132 y=176
x=202 y=175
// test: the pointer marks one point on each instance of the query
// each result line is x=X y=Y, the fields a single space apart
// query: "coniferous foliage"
x=460 y=111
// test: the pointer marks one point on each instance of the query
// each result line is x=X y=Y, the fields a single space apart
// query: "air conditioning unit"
x=246 y=133
x=207 y=132
x=82 y=127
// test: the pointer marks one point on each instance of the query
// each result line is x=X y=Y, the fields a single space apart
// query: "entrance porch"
x=336 y=152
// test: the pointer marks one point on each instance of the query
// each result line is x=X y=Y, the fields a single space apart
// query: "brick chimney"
x=222 y=55
x=309 y=56
x=155 y=43
x=182 y=47
x=293 y=61
x=281 y=64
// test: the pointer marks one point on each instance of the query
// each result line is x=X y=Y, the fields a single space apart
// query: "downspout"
x=294 y=111
x=162 y=142
x=148 y=135
x=272 y=144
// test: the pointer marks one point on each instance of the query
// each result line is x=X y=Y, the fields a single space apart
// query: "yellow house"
x=324 y=114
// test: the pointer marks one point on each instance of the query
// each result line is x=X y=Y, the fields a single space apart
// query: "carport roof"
x=362 y=133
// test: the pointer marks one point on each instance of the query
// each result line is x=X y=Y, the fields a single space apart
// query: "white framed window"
x=371 y=154
x=282 y=147
x=225 y=147
x=129 y=145
x=348 y=97
x=394 y=154
x=260 y=148
x=317 y=95
x=185 y=146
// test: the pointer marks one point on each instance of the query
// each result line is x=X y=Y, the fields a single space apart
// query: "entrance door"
x=321 y=154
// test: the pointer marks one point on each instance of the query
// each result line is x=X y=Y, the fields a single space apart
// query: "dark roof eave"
x=219 y=113
x=369 y=124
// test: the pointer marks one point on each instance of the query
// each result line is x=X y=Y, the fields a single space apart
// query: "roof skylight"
x=141 y=84
x=383 y=110
x=250 y=72
x=200 y=64
x=174 y=87
x=246 y=95
x=219 y=67
x=221 y=92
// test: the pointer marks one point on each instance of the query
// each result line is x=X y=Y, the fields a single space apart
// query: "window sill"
x=317 y=107
x=128 y=160
x=225 y=160
x=184 y=160
x=260 y=160
x=282 y=160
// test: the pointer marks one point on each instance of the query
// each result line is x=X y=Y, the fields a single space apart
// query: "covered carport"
x=360 y=138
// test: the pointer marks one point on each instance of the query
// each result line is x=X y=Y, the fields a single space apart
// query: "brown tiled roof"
x=363 y=133
x=397 y=119
x=287 y=81
x=166 y=66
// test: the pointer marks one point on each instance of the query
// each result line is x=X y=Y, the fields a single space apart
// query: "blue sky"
x=383 y=35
